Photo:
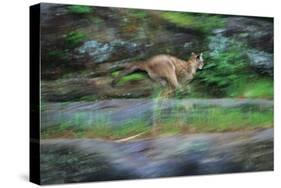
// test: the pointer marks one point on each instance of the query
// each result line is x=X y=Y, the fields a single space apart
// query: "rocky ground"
x=83 y=160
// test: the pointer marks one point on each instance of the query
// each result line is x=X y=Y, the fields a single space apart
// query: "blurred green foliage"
x=217 y=120
x=58 y=57
x=56 y=54
x=259 y=88
x=131 y=77
x=79 y=9
x=100 y=129
x=228 y=119
x=211 y=119
x=223 y=69
x=201 y=22
x=115 y=73
x=74 y=38
x=252 y=87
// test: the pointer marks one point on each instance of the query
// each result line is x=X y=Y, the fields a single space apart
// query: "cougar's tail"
x=130 y=69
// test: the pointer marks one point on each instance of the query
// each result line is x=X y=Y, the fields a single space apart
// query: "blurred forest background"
x=223 y=123
x=84 y=48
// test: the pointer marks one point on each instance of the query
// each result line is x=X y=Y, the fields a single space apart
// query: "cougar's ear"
x=193 y=54
x=201 y=56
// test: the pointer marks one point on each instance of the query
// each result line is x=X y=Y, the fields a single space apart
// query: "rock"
x=83 y=160
x=67 y=89
x=99 y=52
x=218 y=44
x=102 y=52
x=256 y=32
x=62 y=164
x=261 y=61
x=92 y=88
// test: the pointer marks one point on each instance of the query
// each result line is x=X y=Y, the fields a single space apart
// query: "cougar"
x=166 y=69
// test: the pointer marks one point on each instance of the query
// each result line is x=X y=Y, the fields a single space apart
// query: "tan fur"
x=167 y=69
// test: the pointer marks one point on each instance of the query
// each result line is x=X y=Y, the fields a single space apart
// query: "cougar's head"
x=198 y=59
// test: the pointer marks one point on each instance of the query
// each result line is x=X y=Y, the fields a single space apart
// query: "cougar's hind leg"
x=156 y=78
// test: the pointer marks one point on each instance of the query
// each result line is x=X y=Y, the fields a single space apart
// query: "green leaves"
x=79 y=9
x=224 y=68
x=132 y=77
x=74 y=38
x=201 y=22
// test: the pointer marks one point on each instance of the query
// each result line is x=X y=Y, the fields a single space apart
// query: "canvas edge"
x=34 y=94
